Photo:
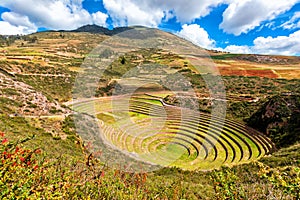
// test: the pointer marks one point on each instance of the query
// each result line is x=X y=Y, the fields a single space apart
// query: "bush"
x=27 y=174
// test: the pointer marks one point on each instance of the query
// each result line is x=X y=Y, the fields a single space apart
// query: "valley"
x=150 y=111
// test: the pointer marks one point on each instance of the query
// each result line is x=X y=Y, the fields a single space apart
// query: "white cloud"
x=293 y=23
x=239 y=17
x=285 y=45
x=243 y=16
x=16 y=19
x=15 y=23
x=52 y=14
x=8 y=29
x=197 y=35
x=128 y=12
x=188 y=11
x=152 y=12
x=238 y=49
x=99 y=18
x=281 y=45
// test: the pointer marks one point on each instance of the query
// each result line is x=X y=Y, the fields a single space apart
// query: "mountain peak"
x=92 y=29
x=101 y=30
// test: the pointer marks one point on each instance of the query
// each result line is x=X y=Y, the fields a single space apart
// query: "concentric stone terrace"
x=166 y=135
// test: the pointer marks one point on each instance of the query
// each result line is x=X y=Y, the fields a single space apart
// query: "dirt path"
x=62 y=116
x=279 y=76
x=45 y=75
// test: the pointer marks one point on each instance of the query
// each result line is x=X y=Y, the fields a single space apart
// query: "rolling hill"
x=157 y=112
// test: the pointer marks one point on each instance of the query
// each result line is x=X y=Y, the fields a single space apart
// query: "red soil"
x=230 y=71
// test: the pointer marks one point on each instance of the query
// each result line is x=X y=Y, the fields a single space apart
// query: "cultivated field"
x=201 y=154
x=171 y=136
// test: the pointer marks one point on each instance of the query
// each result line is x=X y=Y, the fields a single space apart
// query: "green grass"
x=193 y=131
x=18 y=128
x=106 y=117
x=224 y=56
x=75 y=175
x=59 y=88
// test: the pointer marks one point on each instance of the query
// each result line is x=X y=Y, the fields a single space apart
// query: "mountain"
x=93 y=29
x=42 y=73
x=101 y=30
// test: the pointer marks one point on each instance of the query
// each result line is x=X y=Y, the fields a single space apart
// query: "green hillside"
x=99 y=114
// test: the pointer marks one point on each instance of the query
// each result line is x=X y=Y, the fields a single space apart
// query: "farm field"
x=228 y=130
x=241 y=68
x=258 y=65
x=154 y=130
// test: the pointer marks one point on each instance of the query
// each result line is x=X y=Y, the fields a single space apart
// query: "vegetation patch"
x=200 y=147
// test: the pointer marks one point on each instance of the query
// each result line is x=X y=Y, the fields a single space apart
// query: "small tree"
x=123 y=60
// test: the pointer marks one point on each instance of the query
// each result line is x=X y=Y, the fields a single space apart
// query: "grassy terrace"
x=37 y=77
x=164 y=135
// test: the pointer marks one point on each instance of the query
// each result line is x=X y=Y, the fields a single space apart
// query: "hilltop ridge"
x=100 y=29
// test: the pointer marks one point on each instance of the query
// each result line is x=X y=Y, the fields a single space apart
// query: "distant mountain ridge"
x=100 y=30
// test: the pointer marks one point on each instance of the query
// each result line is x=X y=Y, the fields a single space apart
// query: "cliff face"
x=279 y=118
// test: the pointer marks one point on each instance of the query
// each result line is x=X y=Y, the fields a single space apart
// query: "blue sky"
x=248 y=26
